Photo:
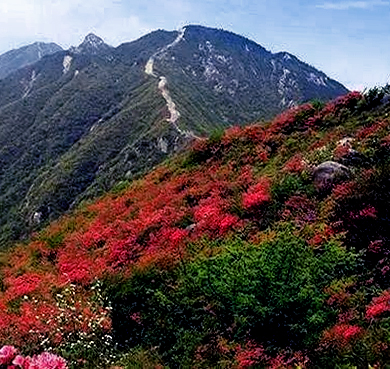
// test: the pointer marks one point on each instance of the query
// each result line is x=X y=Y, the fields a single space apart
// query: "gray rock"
x=354 y=158
x=328 y=174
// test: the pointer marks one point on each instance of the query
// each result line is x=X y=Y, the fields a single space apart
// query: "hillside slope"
x=77 y=122
x=264 y=246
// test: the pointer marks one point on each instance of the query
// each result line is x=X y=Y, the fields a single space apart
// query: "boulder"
x=346 y=155
x=354 y=158
x=328 y=174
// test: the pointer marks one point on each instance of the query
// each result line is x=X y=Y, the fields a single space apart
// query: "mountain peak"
x=92 y=44
x=92 y=39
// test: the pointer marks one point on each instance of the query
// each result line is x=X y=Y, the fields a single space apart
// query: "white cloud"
x=345 y=5
x=66 y=22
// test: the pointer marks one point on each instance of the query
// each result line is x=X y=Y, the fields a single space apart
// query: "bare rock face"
x=328 y=174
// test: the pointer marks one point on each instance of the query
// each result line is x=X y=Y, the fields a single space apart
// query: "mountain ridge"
x=15 y=59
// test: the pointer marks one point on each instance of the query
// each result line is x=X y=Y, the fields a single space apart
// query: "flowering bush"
x=211 y=217
x=378 y=306
x=257 y=195
x=251 y=355
x=341 y=336
x=45 y=360
x=295 y=165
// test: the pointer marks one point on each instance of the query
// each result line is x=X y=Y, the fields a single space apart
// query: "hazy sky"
x=348 y=40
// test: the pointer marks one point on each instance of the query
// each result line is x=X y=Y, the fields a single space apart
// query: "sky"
x=347 y=40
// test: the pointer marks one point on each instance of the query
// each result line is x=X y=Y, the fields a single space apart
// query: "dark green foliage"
x=291 y=184
x=317 y=104
x=374 y=96
x=272 y=293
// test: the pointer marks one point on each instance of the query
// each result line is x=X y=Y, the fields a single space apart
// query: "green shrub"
x=291 y=184
x=272 y=293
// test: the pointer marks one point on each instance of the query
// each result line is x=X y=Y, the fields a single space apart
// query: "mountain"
x=237 y=80
x=264 y=246
x=92 y=44
x=19 y=58
x=77 y=122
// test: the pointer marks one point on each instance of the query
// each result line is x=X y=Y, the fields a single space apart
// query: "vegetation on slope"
x=237 y=254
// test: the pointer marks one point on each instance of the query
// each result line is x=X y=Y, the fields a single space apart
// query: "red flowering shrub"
x=341 y=151
x=385 y=142
x=22 y=285
x=292 y=120
x=211 y=218
x=232 y=133
x=295 y=165
x=378 y=306
x=246 y=176
x=300 y=209
x=316 y=240
x=367 y=212
x=254 y=354
x=343 y=190
x=347 y=101
x=370 y=130
x=322 y=235
x=376 y=246
x=75 y=265
x=314 y=121
x=339 y=295
x=257 y=195
x=251 y=355
x=253 y=133
x=341 y=336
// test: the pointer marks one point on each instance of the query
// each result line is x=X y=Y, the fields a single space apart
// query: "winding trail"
x=150 y=63
x=163 y=86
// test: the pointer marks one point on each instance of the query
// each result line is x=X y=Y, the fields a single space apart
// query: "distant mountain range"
x=15 y=59
x=73 y=123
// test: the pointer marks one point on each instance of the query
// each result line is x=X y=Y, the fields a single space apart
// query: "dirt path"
x=150 y=63
x=163 y=86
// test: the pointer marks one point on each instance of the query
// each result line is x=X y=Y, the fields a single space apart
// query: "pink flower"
x=47 y=360
x=7 y=353
x=20 y=361
x=136 y=317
